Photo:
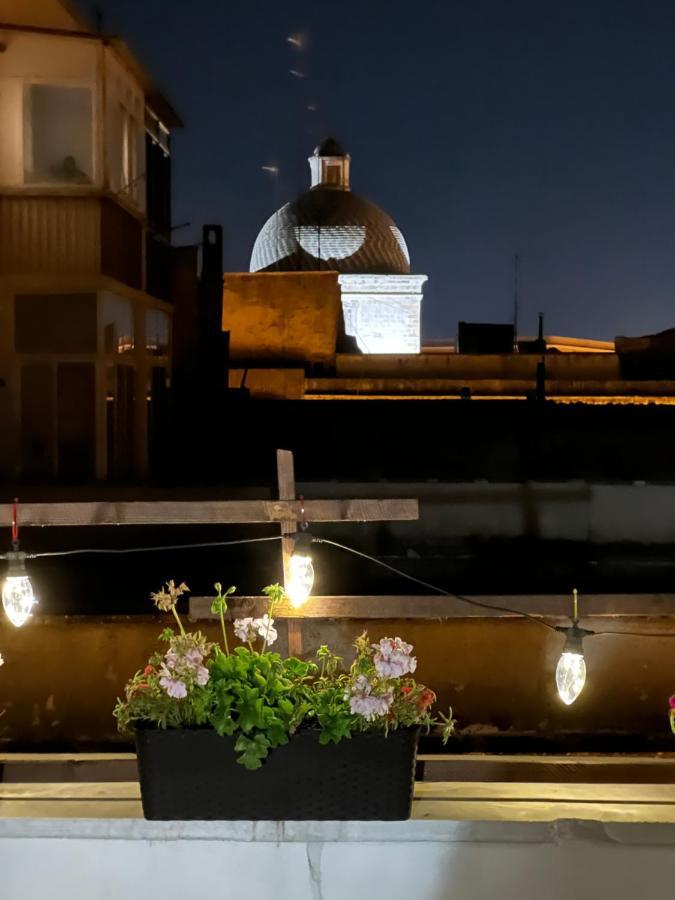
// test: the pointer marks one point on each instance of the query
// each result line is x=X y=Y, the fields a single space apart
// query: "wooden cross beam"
x=284 y=512
x=286 y=480
x=207 y=512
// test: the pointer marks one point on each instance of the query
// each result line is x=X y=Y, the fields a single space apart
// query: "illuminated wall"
x=383 y=311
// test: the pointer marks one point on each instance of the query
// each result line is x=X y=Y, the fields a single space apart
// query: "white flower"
x=202 y=675
x=2 y=660
x=245 y=629
x=266 y=629
x=392 y=658
x=364 y=703
x=173 y=686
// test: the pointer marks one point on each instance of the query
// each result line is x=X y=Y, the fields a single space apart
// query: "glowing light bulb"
x=18 y=598
x=570 y=676
x=301 y=571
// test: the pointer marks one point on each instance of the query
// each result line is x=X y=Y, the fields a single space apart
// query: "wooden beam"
x=547 y=606
x=286 y=482
x=209 y=512
x=480 y=801
x=547 y=768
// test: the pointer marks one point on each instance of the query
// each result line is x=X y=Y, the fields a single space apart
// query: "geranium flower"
x=202 y=675
x=194 y=658
x=427 y=697
x=266 y=629
x=364 y=703
x=2 y=660
x=173 y=686
x=148 y=670
x=245 y=629
x=671 y=702
x=392 y=658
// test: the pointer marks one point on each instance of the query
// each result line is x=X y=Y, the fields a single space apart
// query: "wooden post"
x=286 y=481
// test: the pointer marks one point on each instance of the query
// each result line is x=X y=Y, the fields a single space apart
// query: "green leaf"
x=252 y=749
x=250 y=710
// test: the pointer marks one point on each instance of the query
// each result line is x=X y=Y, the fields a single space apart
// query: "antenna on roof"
x=98 y=18
x=516 y=260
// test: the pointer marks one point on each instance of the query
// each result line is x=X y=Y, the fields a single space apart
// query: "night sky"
x=485 y=128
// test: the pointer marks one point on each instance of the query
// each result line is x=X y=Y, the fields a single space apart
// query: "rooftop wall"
x=282 y=316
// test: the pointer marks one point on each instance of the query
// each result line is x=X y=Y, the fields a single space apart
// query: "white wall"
x=136 y=860
x=383 y=311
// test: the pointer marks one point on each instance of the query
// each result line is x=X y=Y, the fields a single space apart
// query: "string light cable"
x=165 y=547
x=303 y=541
x=493 y=606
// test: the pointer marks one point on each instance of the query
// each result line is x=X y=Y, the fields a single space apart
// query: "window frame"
x=26 y=123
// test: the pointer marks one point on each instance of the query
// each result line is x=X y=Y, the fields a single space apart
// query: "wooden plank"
x=516 y=792
x=623 y=759
x=71 y=809
x=208 y=512
x=554 y=607
x=72 y=790
x=121 y=801
x=649 y=794
x=65 y=757
x=569 y=769
x=286 y=483
x=544 y=811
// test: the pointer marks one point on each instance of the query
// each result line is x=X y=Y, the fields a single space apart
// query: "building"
x=85 y=255
x=330 y=311
x=330 y=228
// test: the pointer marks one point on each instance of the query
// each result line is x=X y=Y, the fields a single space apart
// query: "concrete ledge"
x=413 y=831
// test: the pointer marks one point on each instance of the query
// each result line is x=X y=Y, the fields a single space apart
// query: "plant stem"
x=222 y=625
x=177 y=618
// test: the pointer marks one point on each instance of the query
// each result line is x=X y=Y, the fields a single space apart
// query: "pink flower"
x=364 y=703
x=671 y=702
x=174 y=687
x=392 y=658
x=202 y=675
x=194 y=658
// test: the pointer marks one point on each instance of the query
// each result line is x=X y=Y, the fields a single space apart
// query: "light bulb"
x=570 y=675
x=301 y=571
x=18 y=598
x=301 y=579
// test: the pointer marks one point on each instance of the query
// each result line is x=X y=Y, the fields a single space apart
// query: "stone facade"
x=383 y=311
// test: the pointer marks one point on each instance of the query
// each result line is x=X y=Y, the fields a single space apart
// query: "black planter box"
x=193 y=774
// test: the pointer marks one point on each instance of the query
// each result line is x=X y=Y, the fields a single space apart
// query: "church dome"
x=330 y=228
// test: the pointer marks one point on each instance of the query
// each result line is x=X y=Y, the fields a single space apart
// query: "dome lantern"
x=331 y=228
x=329 y=166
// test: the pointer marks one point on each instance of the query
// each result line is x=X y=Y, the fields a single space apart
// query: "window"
x=55 y=323
x=157 y=131
x=117 y=324
x=58 y=145
x=333 y=174
x=130 y=177
x=156 y=332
